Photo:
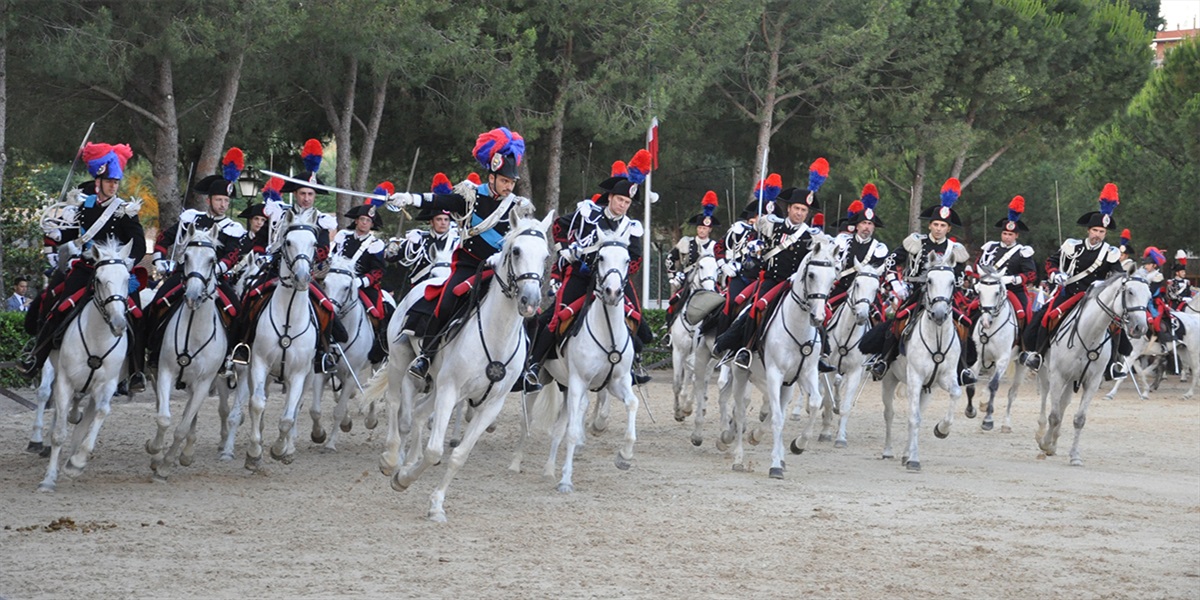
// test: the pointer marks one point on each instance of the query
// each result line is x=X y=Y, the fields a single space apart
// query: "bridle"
x=992 y=280
x=344 y=305
x=930 y=301
x=511 y=280
x=102 y=302
x=292 y=261
x=598 y=278
x=805 y=301
x=1122 y=317
x=697 y=282
x=205 y=280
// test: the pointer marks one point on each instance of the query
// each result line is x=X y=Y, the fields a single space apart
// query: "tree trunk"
x=341 y=120
x=3 y=122
x=766 y=110
x=214 y=145
x=554 y=152
x=371 y=134
x=166 y=147
x=914 y=198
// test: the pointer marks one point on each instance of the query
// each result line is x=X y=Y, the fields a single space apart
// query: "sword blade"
x=62 y=195
x=321 y=186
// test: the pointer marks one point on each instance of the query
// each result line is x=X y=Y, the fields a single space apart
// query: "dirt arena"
x=985 y=518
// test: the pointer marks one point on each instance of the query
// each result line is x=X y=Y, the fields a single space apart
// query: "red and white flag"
x=652 y=142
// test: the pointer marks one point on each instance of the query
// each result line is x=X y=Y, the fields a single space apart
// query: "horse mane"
x=109 y=247
x=341 y=261
x=520 y=225
x=1099 y=286
x=200 y=234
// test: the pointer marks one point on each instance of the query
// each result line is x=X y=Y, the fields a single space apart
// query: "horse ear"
x=546 y=222
x=127 y=249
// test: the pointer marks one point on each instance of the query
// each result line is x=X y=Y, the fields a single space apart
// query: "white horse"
x=691 y=351
x=286 y=336
x=342 y=289
x=931 y=360
x=791 y=345
x=846 y=328
x=235 y=385
x=481 y=363
x=599 y=357
x=1080 y=351
x=193 y=348
x=66 y=252
x=1188 y=348
x=994 y=334
x=90 y=358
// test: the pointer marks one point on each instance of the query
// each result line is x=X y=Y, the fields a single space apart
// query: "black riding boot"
x=1121 y=347
x=137 y=358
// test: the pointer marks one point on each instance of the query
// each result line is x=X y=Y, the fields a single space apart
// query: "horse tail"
x=546 y=408
x=376 y=387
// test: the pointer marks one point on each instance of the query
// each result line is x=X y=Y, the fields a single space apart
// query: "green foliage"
x=12 y=339
x=656 y=319
x=29 y=184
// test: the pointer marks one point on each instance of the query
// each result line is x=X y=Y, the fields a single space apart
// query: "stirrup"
x=419 y=367
x=825 y=367
x=1031 y=360
x=743 y=358
x=967 y=377
x=241 y=354
x=1115 y=371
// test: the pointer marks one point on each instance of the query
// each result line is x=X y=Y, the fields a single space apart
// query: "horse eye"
x=516 y=252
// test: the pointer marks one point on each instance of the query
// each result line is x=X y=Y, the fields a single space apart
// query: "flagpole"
x=1058 y=210
x=762 y=177
x=652 y=146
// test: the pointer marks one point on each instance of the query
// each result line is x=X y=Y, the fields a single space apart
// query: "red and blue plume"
x=311 y=154
x=441 y=184
x=818 y=172
x=818 y=220
x=870 y=196
x=769 y=188
x=950 y=192
x=855 y=207
x=1126 y=237
x=107 y=160
x=270 y=191
x=638 y=167
x=1109 y=198
x=619 y=169
x=384 y=189
x=709 y=203
x=1155 y=255
x=1016 y=208
x=499 y=140
x=235 y=161
x=474 y=178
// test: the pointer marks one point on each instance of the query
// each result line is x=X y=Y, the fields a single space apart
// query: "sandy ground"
x=985 y=518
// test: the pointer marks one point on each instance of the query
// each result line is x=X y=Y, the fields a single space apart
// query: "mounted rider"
x=266 y=244
x=905 y=275
x=1075 y=266
x=255 y=220
x=484 y=214
x=93 y=212
x=1158 y=311
x=860 y=245
x=1016 y=260
x=577 y=234
x=1179 y=289
x=417 y=252
x=231 y=237
x=741 y=266
x=688 y=250
x=782 y=244
x=359 y=243
x=1128 y=264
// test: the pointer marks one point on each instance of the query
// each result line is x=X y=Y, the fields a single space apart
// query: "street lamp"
x=248 y=183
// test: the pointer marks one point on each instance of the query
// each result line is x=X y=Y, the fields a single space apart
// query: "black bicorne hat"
x=365 y=210
x=254 y=210
x=216 y=185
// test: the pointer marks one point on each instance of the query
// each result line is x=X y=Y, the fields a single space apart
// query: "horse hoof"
x=937 y=432
x=775 y=473
x=722 y=446
x=34 y=447
x=490 y=429
x=837 y=410
x=437 y=516
x=253 y=463
x=621 y=462
x=157 y=477
x=150 y=449
x=970 y=412
x=903 y=461
x=225 y=457
x=796 y=448
x=840 y=444
x=45 y=453
x=397 y=484
x=987 y=425
x=454 y=443
x=796 y=417
x=186 y=460
x=318 y=437
x=347 y=425
x=697 y=441
x=679 y=416
x=73 y=470
x=75 y=416
x=726 y=437
x=753 y=438
x=887 y=456
x=913 y=466
x=371 y=422
x=1005 y=429
x=45 y=488
x=825 y=437
x=566 y=488
x=1076 y=462
x=739 y=467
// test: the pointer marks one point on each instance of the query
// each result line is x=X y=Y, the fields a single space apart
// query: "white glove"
x=364 y=282
x=1010 y=279
x=392 y=248
x=554 y=285
x=678 y=277
x=164 y=266
x=403 y=199
x=729 y=268
x=653 y=197
x=754 y=247
x=413 y=236
x=900 y=289
x=1058 y=278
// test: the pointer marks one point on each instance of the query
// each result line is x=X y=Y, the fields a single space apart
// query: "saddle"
x=1055 y=315
x=475 y=288
x=701 y=305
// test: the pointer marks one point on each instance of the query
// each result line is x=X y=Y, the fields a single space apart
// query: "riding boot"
x=419 y=367
x=823 y=365
x=733 y=336
x=137 y=360
x=1116 y=361
x=883 y=360
x=543 y=341
x=966 y=359
x=640 y=375
x=1040 y=338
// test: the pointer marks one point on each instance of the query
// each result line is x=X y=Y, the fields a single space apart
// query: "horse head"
x=704 y=274
x=816 y=275
x=199 y=265
x=110 y=282
x=939 y=286
x=864 y=290
x=992 y=294
x=521 y=265
x=341 y=283
x=298 y=246
x=1135 y=298
x=610 y=266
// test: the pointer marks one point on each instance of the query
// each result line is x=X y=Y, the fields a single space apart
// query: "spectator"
x=18 y=301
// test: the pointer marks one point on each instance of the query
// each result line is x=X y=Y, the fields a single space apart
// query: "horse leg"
x=341 y=412
x=485 y=417
x=741 y=398
x=527 y=404
x=1060 y=400
x=825 y=403
x=183 y=431
x=993 y=386
x=456 y=430
x=318 y=435
x=888 y=394
x=45 y=385
x=700 y=391
x=1089 y=391
x=258 y=404
x=558 y=431
x=284 y=448
x=679 y=362
x=1019 y=372
x=845 y=396
x=59 y=429
x=164 y=383
x=237 y=412
x=600 y=413
x=98 y=409
x=576 y=397
x=389 y=459
x=624 y=389
x=446 y=400
x=724 y=394
x=917 y=398
x=189 y=448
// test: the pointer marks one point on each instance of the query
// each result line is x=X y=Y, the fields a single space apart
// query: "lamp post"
x=248 y=183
